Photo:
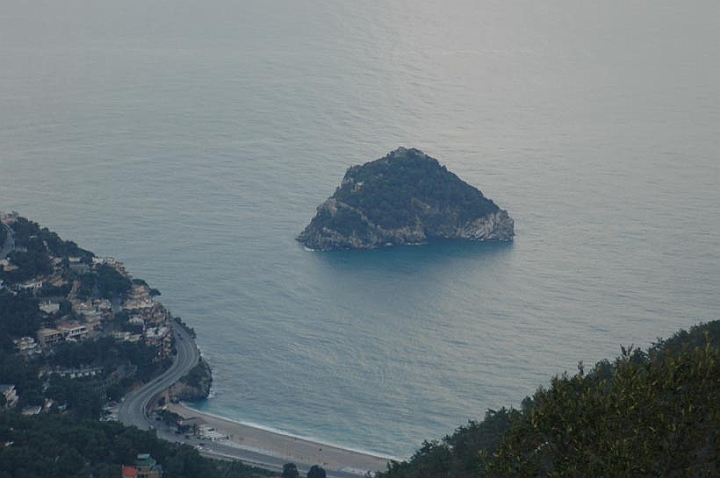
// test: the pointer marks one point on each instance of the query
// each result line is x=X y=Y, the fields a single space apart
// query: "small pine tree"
x=290 y=471
x=316 y=472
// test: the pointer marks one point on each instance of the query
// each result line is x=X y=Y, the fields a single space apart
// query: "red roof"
x=129 y=472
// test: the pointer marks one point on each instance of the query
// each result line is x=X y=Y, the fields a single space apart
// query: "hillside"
x=407 y=197
x=648 y=413
x=61 y=446
x=76 y=331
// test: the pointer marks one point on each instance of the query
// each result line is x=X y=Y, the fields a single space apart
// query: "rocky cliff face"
x=194 y=386
x=404 y=198
x=497 y=226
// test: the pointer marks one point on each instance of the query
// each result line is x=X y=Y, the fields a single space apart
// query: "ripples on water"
x=194 y=143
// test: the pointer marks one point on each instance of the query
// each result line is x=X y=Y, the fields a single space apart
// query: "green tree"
x=658 y=415
x=24 y=230
x=316 y=472
x=654 y=413
x=290 y=471
x=19 y=315
x=110 y=282
x=31 y=263
x=60 y=446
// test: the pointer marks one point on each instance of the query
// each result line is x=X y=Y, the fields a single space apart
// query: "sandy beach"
x=284 y=447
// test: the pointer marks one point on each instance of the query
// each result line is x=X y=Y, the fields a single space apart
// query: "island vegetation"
x=407 y=197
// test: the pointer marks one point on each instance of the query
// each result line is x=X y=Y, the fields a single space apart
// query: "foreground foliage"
x=654 y=413
x=56 y=446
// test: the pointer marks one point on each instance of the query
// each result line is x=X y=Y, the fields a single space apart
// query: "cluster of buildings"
x=70 y=314
x=11 y=398
x=149 y=321
x=198 y=427
x=150 y=318
x=88 y=321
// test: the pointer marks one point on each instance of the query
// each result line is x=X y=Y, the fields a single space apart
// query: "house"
x=26 y=346
x=147 y=466
x=32 y=410
x=129 y=472
x=11 y=396
x=33 y=285
x=211 y=434
x=7 y=266
x=77 y=265
x=139 y=292
x=103 y=305
x=90 y=311
x=127 y=336
x=47 y=336
x=132 y=304
x=73 y=330
x=161 y=338
x=50 y=307
x=64 y=331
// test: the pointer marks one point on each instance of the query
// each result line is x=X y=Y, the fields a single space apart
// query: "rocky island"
x=407 y=197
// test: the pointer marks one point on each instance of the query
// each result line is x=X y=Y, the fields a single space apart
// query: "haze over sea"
x=194 y=140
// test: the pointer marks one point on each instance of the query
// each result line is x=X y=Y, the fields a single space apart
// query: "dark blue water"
x=194 y=141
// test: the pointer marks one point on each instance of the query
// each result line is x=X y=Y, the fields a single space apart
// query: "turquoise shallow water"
x=193 y=142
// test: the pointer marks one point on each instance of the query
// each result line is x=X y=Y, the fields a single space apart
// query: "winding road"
x=132 y=411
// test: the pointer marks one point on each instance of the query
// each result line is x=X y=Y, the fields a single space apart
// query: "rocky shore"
x=194 y=386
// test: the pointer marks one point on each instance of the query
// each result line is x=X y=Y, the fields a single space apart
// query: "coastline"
x=290 y=449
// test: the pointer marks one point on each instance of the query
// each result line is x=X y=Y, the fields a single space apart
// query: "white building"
x=50 y=307
x=73 y=330
x=11 y=396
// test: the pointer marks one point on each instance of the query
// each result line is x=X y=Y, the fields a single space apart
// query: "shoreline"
x=265 y=447
x=291 y=449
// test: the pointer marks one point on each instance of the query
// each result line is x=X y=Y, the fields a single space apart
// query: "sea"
x=193 y=140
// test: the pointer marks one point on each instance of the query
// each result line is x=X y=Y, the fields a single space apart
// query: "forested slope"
x=647 y=413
